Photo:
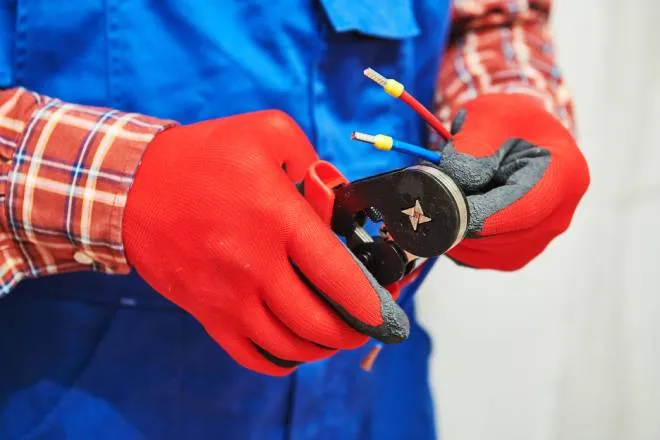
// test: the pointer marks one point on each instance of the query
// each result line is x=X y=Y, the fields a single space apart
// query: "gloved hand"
x=523 y=175
x=214 y=222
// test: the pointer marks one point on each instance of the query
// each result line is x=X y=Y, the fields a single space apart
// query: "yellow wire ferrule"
x=383 y=142
x=393 y=88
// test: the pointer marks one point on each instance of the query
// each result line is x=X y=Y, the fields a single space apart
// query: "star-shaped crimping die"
x=416 y=215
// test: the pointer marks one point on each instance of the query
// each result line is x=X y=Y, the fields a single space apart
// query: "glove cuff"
x=158 y=172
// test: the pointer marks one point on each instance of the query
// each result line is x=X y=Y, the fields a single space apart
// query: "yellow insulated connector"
x=379 y=141
x=394 y=88
x=383 y=142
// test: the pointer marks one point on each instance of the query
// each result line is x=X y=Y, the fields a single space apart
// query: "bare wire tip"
x=375 y=76
x=363 y=137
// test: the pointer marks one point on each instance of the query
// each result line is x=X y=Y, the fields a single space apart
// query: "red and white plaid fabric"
x=501 y=46
x=66 y=170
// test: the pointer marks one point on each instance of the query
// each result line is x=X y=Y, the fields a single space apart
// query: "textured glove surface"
x=523 y=175
x=214 y=223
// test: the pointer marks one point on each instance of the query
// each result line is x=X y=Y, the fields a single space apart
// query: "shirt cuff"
x=65 y=172
x=499 y=46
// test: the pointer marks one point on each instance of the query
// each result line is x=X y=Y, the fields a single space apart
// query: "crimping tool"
x=423 y=214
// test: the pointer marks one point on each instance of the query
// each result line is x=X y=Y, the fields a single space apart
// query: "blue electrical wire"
x=387 y=143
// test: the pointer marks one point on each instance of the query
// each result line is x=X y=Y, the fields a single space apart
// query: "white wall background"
x=569 y=348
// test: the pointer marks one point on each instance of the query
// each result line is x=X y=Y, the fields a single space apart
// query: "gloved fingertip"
x=396 y=326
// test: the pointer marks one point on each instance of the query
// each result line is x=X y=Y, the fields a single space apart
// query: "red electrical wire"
x=406 y=97
x=426 y=115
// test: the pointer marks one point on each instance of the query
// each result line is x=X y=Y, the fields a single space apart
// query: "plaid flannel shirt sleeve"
x=65 y=173
x=501 y=46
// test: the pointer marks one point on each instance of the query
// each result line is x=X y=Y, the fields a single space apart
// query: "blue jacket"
x=92 y=356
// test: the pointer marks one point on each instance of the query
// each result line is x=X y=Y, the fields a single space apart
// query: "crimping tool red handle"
x=384 y=260
x=319 y=188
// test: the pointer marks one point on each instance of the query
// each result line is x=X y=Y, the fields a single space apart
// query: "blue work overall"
x=92 y=356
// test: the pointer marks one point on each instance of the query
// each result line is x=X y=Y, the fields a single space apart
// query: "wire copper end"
x=363 y=137
x=375 y=76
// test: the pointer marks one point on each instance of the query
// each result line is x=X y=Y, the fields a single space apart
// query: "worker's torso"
x=90 y=351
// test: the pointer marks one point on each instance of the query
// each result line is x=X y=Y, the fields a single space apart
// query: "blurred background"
x=569 y=348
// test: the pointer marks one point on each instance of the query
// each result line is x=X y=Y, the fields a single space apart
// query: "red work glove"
x=214 y=222
x=523 y=175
